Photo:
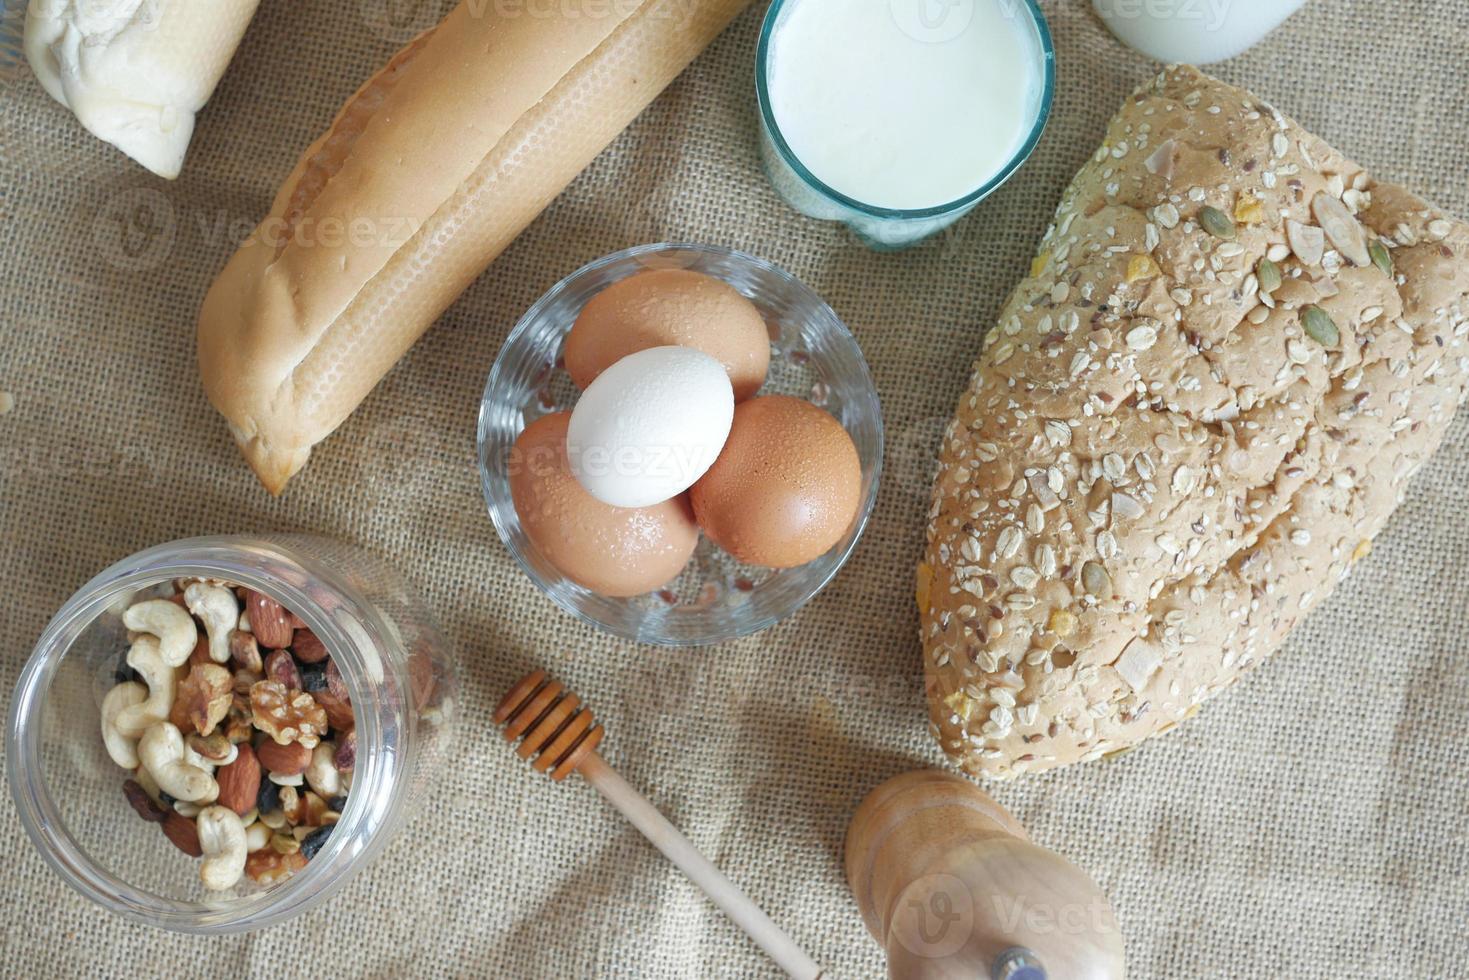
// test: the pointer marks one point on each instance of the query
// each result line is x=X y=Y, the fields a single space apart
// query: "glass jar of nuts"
x=214 y=735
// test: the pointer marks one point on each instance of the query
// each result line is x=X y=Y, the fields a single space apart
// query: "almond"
x=308 y=648
x=284 y=760
x=239 y=782
x=268 y=621
x=338 y=710
x=183 y=832
x=200 y=656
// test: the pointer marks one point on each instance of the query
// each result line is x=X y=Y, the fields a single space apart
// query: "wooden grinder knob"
x=951 y=886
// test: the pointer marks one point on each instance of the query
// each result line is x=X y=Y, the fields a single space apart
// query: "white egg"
x=650 y=426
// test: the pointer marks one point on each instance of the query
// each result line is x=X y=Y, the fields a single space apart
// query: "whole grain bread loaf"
x=1232 y=353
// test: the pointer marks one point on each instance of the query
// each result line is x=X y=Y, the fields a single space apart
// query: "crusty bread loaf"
x=426 y=175
x=1159 y=468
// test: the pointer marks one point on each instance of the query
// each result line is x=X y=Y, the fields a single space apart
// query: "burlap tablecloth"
x=1310 y=824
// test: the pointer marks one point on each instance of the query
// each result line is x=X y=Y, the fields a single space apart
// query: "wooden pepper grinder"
x=952 y=887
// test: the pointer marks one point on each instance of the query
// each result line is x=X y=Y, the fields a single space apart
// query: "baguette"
x=427 y=174
x=1165 y=459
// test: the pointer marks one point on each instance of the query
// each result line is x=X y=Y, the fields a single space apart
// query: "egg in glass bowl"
x=540 y=385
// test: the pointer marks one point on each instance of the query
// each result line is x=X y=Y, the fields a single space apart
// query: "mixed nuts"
x=237 y=729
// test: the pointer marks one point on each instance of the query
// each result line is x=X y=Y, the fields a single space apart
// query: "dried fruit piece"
x=1380 y=256
x=1217 y=223
x=287 y=716
x=345 y=757
x=281 y=668
x=1268 y=273
x=1141 y=267
x=239 y=782
x=203 y=698
x=284 y=760
x=268 y=621
x=267 y=865
x=1062 y=622
x=143 y=804
x=312 y=842
x=1248 y=210
x=308 y=648
x=183 y=833
x=1320 y=326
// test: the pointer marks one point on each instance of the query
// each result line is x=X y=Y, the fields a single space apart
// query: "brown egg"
x=610 y=550
x=786 y=487
x=671 y=308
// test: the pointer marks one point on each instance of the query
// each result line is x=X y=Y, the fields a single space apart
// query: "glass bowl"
x=399 y=672
x=892 y=229
x=813 y=356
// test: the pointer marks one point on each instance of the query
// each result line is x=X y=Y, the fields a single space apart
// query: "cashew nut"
x=123 y=749
x=321 y=772
x=221 y=614
x=165 y=756
x=222 y=839
x=145 y=658
x=174 y=628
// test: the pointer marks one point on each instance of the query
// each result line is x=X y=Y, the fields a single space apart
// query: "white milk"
x=1194 y=31
x=905 y=104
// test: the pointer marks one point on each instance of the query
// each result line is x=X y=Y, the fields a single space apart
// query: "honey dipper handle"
x=678 y=849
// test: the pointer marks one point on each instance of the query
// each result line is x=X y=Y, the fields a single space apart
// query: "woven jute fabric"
x=1311 y=823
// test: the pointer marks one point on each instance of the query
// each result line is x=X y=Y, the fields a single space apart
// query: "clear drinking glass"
x=399 y=672
x=813 y=356
x=887 y=229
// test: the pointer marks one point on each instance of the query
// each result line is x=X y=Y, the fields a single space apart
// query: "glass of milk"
x=897 y=117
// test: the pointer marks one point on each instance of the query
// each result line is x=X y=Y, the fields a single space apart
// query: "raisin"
x=268 y=800
x=313 y=677
x=313 y=841
x=337 y=804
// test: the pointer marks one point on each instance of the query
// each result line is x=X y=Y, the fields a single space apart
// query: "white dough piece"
x=136 y=72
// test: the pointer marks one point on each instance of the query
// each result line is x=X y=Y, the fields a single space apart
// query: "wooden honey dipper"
x=561 y=737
